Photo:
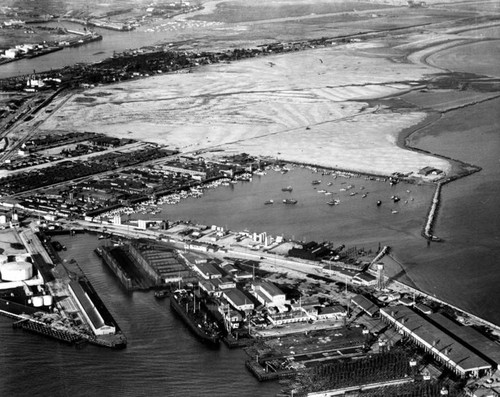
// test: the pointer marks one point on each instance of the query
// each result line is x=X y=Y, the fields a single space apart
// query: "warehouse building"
x=447 y=347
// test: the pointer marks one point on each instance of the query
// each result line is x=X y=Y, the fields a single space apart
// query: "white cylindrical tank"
x=23 y=257
x=37 y=301
x=16 y=271
x=47 y=300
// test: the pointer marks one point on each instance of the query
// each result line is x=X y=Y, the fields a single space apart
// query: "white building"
x=237 y=299
x=268 y=294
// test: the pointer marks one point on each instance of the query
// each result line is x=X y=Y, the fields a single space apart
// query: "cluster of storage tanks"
x=41 y=300
x=18 y=270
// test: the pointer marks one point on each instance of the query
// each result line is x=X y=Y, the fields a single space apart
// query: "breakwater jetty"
x=432 y=214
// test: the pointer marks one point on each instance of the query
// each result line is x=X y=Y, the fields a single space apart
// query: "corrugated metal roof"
x=87 y=305
x=458 y=354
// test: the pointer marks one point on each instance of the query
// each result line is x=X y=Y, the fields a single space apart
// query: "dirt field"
x=311 y=106
x=307 y=106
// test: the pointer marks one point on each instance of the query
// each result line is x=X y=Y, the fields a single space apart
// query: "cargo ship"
x=184 y=303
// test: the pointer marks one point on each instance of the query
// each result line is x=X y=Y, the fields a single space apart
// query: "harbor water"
x=162 y=358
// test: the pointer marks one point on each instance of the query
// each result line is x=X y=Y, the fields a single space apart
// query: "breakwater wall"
x=432 y=214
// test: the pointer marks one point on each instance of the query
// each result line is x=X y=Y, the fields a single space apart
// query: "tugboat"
x=185 y=304
x=290 y=201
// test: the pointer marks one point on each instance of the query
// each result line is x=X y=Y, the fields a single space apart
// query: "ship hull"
x=193 y=326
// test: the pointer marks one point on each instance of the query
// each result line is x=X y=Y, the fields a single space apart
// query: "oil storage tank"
x=47 y=300
x=16 y=271
x=37 y=301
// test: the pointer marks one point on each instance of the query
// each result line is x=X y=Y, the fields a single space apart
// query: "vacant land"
x=320 y=106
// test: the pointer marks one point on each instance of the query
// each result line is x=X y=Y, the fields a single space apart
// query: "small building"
x=336 y=312
x=365 y=305
x=207 y=270
x=426 y=171
x=364 y=279
x=423 y=308
x=196 y=246
x=297 y=315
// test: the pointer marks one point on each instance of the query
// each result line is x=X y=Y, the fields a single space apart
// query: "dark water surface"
x=162 y=357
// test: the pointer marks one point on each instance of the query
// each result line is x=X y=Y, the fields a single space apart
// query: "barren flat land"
x=331 y=106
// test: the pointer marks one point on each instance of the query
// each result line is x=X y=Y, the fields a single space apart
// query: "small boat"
x=269 y=202
x=330 y=183
x=287 y=189
x=316 y=182
x=353 y=193
x=364 y=195
x=290 y=201
x=321 y=191
x=395 y=199
x=161 y=294
x=379 y=203
x=394 y=212
x=328 y=193
x=333 y=202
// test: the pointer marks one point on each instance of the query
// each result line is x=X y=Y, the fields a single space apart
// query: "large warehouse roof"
x=448 y=348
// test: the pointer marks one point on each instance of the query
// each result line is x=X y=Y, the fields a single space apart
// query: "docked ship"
x=184 y=304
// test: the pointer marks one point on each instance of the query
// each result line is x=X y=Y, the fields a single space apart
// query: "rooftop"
x=364 y=303
x=238 y=297
x=458 y=354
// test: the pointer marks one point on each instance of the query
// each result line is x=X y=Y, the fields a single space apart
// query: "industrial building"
x=238 y=299
x=268 y=294
x=364 y=304
x=98 y=321
x=461 y=349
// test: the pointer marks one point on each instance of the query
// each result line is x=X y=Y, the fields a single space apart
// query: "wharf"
x=46 y=330
x=233 y=343
x=262 y=375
